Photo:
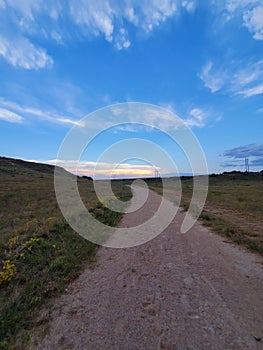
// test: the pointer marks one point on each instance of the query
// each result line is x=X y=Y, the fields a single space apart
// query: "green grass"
x=40 y=252
x=233 y=207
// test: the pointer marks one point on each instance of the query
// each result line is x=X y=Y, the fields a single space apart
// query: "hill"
x=39 y=252
x=19 y=166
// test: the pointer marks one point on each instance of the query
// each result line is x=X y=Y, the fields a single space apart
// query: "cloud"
x=249 y=12
x=247 y=75
x=238 y=155
x=236 y=77
x=163 y=119
x=132 y=128
x=232 y=164
x=256 y=90
x=189 y=5
x=20 y=52
x=56 y=36
x=198 y=114
x=152 y=13
x=253 y=20
x=257 y=162
x=229 y=74
x=121 y=40
x=197 y=118
x=244 y=151
x=108 y=17
x=10 y=116
x=12 y=109
x=96 y=17
x=241 y=152
x=212 y=80
x=114 y=20
x=234 y=6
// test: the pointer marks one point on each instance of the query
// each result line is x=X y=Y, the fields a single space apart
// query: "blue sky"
x=203 y=60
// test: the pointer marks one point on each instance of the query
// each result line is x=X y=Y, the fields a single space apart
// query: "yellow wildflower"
x=12 y=242
x=9 y=270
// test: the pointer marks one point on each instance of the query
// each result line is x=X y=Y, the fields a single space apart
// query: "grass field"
x=233 y=207
x=39 y=253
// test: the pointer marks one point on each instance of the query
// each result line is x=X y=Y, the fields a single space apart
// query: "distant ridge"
x=14 y=166
x=19 y=166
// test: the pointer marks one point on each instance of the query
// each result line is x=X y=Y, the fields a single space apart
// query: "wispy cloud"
x=212 y=80
x=256 y=90
x=235 y=78
x=96 y=17
x=10 y=116
x=114 y=20
x=14 y=111
x=257 y=162
x=251 y=150
x=189 y=5
x=230 y=74
x=248 y=81
x=197 y=118
x=20 y=52
x=108 y=18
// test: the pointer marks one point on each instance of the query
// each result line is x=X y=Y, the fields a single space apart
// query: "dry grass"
x=233 y=207
x=39 y=253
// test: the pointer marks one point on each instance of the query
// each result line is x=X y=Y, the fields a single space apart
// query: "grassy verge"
x=233 y=207
x=234 y=232
x=39 y=253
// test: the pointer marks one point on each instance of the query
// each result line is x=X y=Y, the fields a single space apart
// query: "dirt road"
x=178 y=291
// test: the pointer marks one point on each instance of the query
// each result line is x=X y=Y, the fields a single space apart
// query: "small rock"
x=152 y=311
x=146 y=303
x=257 y=338
x=157 y=329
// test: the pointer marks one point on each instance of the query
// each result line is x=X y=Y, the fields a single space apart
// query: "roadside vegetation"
x=39 y=253
x=233 y=207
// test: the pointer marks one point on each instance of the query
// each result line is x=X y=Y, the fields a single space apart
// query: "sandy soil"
x=178 y=291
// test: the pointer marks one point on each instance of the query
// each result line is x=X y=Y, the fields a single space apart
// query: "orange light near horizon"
x=126 y=171
x=108 y=170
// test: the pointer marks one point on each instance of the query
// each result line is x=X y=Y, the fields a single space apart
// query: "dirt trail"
x=178 y=291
